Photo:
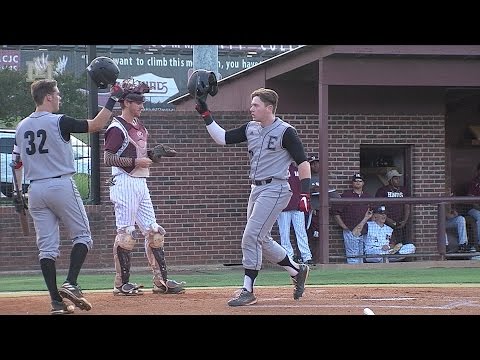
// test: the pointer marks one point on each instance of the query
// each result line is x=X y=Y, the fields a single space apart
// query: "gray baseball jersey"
x=52 y=196
x=270 y=191
x=268 y=159
x=42 y=148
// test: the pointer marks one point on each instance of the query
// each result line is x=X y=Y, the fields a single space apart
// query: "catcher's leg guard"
x=122 y=253
x=154 y=242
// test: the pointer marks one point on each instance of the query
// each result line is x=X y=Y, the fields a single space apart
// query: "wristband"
x=305 y=186
x=207 y=118
x=110 y=104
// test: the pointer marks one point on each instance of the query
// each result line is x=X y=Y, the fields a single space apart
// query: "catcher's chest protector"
x=134 y=145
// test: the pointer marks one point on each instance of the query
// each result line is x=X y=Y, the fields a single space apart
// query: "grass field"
x=222 y=277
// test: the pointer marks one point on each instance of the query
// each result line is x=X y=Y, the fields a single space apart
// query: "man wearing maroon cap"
x=349 y=216
x=397 y=214
x=126 y=151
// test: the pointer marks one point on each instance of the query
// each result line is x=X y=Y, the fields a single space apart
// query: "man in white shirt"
x=379 y=238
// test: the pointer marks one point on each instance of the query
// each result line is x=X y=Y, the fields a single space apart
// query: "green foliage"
x=74 y=99
x=16 y=101
x=85 y=137
x=83 y=184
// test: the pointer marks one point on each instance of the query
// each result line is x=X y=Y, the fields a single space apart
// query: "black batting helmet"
x=201 y=83
x=103 y=71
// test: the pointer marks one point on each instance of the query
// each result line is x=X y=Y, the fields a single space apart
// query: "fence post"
x=441 y=246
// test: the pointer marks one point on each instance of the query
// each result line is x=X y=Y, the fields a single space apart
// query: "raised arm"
x=99 y=121
x=357 y=230
x=217 y=133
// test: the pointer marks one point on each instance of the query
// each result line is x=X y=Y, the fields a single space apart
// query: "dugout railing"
x=431 y=211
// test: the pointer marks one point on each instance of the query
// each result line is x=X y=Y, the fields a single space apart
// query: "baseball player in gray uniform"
x=43 y=148
x=272 y=145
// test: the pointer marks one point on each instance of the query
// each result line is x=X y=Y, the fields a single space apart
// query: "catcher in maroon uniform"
x=126 y=151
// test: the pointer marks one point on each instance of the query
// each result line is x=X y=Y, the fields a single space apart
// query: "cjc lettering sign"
x=10 y=59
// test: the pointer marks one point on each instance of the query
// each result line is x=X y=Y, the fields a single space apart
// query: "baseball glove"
x=160 y=150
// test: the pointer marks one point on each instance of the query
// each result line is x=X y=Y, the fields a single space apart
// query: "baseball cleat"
x=173 y=287
x=60 y=308
x=128 y=289
x=242 y=297
x=75 y=295
x=299 y=281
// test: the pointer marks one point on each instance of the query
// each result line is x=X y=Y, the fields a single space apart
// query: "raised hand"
x=202 y=107
x=116 y=91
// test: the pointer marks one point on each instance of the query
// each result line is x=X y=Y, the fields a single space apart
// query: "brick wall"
x=425 y=134
x=200 y=196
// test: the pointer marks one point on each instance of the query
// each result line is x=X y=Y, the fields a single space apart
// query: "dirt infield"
x=317 y=300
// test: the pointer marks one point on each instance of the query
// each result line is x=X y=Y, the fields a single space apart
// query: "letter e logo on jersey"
x=272 y=142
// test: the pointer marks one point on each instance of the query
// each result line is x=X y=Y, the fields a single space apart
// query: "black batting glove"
x=116 y=91
x=202 y=107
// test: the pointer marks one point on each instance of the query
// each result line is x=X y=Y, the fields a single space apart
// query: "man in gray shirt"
x=272 y=145
x=43 y=148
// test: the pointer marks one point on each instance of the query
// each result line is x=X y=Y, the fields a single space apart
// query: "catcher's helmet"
x=133 y=90
x=201 y=83
x=103 y=71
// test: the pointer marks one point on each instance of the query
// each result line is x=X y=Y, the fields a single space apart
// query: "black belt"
x=54 y=177
x=262 y=182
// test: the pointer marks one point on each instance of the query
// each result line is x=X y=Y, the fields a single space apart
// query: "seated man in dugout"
x=379 y=239
x=455 y=221
x=474 y=211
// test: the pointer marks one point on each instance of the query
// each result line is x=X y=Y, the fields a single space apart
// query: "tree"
x=16 y=101
x=74 y=98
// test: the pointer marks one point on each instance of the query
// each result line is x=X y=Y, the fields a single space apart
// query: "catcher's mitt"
x=160 y=150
